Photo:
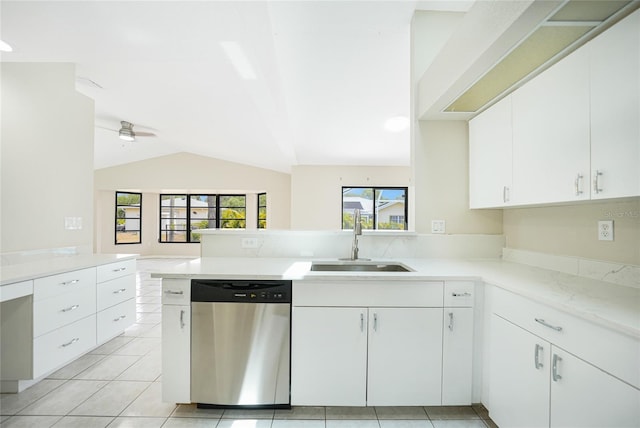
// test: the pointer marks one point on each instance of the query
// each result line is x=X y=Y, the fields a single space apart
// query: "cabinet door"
x=328 y=356
x=405 y=356
x=615 y=110
x=457 y=356
x=585 y=396
x=176 y=353
x=490 y=156
x=519 y=376
x=551 y=151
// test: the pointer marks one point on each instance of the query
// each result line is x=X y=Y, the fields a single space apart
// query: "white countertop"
x=613 y=306
x=53 y=265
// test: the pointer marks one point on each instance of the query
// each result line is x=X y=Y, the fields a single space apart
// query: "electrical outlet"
x=438 y=226
x=249 y=242
x=605 y=230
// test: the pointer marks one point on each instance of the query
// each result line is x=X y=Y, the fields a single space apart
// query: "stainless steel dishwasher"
x=240 y=343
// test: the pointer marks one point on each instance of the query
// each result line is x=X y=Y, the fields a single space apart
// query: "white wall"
x=183 y=173
x=46 y=158
x=316 y=195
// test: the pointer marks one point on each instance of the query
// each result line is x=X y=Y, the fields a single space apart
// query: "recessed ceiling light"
x=396 y=124
x=5 y=47
x=239 y=59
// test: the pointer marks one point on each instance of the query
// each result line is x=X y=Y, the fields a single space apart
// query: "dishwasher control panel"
x=240 y=291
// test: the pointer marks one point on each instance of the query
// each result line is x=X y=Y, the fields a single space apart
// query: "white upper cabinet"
x=551 y=134
x=490 y=139
x=615 y=111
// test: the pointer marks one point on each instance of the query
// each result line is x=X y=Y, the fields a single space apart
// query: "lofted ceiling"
x=323 y=77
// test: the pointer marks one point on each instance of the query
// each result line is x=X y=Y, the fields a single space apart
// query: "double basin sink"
x=359 y=266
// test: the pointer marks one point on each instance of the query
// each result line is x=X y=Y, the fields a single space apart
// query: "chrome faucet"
x=357 y=230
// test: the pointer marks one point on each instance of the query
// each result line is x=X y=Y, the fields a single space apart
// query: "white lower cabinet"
x=329 y=356
x=366 y=356
x=457 y=357
x=534 y=383
x=176 y=341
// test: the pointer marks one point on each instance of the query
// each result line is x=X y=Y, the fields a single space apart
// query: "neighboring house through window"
x=182 y=215
x=380 y=207
x=128 y=218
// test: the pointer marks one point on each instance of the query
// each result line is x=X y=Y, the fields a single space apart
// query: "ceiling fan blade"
x=144 y=134
x=106 y=128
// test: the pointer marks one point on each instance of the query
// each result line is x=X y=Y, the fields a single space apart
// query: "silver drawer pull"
x=182 y=324
x=536 y=357
x=121 y=317
x=173 y=292
x=546 y=324
x=119 y=269
x=555 y=371
x=451 y=321
x=71 y=342
x=465 y=294
x=71 y=308
x=73 y=281
x=122 y=290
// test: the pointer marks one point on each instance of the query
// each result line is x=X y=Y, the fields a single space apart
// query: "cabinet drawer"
x=117 y=290
x=176 y=291
x=60 y=346
x=368 y=293
x=57 y=311
x=459 y=294
x=114 y=320
x=611 y=351
x=115 y=270
x=67 y=282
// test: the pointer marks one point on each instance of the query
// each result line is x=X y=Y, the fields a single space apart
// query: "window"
x=182 y=215
x=128 y=216
x=262 y=210
x=380 y=207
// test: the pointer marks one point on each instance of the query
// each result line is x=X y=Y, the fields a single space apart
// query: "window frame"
x=374 y=214
x=115 y=228
x=189 y=239
x=265 y=211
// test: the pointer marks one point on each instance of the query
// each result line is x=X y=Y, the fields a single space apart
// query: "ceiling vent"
x=562 y=32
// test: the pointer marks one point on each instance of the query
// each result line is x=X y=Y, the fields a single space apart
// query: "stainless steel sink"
x=356 y=266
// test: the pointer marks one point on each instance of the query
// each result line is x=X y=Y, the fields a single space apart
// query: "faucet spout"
x=357 y=230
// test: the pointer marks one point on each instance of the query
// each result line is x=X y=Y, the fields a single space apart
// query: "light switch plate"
x=438 y=226
x=249 y=242
x=73 y=223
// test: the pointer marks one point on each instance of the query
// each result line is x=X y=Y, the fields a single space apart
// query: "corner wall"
x=46 y=158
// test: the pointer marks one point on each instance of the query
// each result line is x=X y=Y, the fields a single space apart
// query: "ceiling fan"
x=127 y=133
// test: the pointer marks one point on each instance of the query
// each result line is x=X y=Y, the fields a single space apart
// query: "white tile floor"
x=119 y=385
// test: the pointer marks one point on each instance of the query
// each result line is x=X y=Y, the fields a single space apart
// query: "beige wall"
x=186 y=173
x=572 y=230
x=46 y=158
x=316 y=195
x=441 y=177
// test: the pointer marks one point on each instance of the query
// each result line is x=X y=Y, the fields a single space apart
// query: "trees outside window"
x=262 y=210
x=128 y=227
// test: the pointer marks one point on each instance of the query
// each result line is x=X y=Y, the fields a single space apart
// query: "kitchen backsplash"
x=616 y=273
x=324 y=244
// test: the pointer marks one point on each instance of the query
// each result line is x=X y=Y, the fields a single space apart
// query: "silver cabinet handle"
x=451 y=321
x=71 y=308
x=577 y=183
x=536 y=359
x=361 y=321
x=119 y=269
x=122 y=290
x=554 y=371
x=375 y=322
x=505 y=194
x=465 y=294
x=182 y=319
x=546 y=324
x=121 y=317
x=173 y=292
x=71 y=342
x=73 y=281
x=596 y=182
